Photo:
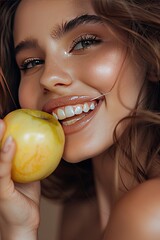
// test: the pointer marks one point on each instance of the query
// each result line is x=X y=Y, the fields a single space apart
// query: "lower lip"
x=79 y=125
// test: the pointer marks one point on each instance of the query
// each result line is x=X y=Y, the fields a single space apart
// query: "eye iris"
x=87 y=43
x=33 y=63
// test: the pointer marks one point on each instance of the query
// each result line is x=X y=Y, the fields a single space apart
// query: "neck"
x=104 y=173
x=109 y=186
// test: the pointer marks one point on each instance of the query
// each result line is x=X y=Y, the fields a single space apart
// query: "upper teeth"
x=70 y=111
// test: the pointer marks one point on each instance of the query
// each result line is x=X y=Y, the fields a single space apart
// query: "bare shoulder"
x=136 y=216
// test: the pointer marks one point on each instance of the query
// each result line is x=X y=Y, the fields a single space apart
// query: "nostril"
x=45 y=90
x=59 y=84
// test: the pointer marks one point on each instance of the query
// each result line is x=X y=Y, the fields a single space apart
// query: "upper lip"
x=64 y=101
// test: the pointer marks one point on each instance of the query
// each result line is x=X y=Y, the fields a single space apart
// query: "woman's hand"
x=19 y=203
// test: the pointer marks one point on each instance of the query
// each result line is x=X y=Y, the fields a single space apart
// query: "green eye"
x=31 y=63
x=85 y=42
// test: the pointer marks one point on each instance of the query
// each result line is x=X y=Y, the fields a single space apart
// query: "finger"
x=2 y=128
x=6 y=156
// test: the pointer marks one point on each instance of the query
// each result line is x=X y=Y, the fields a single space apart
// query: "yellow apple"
x=39 y=141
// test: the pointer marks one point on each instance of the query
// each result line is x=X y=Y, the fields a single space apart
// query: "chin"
x=75 y=155
x=72 y=158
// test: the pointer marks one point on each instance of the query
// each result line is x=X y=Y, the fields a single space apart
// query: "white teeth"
x=85 y=108
x=69 y=111
x=92 y=107
x=61 y=114
x=78 y=110
x=55 y=115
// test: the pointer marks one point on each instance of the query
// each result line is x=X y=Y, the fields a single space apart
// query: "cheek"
x=102 y=72
x=23 y=98
x=27 y=96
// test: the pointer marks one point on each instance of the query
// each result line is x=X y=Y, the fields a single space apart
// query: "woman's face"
x=67 y=57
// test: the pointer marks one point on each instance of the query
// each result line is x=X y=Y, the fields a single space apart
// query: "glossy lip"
x=64 y=101
x=73 y=100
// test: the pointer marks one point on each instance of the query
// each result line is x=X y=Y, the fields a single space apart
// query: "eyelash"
x=35 y=61
x=89 y=40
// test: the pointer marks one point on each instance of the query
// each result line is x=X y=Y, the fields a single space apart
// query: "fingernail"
x=7 y=144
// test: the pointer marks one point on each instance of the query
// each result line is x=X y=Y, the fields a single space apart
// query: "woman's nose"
x=55 y=77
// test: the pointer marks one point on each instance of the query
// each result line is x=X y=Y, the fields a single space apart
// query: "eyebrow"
x=26 y=44
x=60 y=30
x=66 y=27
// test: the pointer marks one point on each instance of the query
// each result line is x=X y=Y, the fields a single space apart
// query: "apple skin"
x=39 y=141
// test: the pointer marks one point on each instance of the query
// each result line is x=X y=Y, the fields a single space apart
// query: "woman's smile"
x=76 y=114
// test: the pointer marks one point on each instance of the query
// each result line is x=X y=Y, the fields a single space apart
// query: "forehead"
x=51 y=5
x=35 y=15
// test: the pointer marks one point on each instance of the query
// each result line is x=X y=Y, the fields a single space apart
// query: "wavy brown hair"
x=140 y=142
x=10 y=76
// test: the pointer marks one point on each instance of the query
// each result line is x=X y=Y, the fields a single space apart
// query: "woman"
x=95 y=65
